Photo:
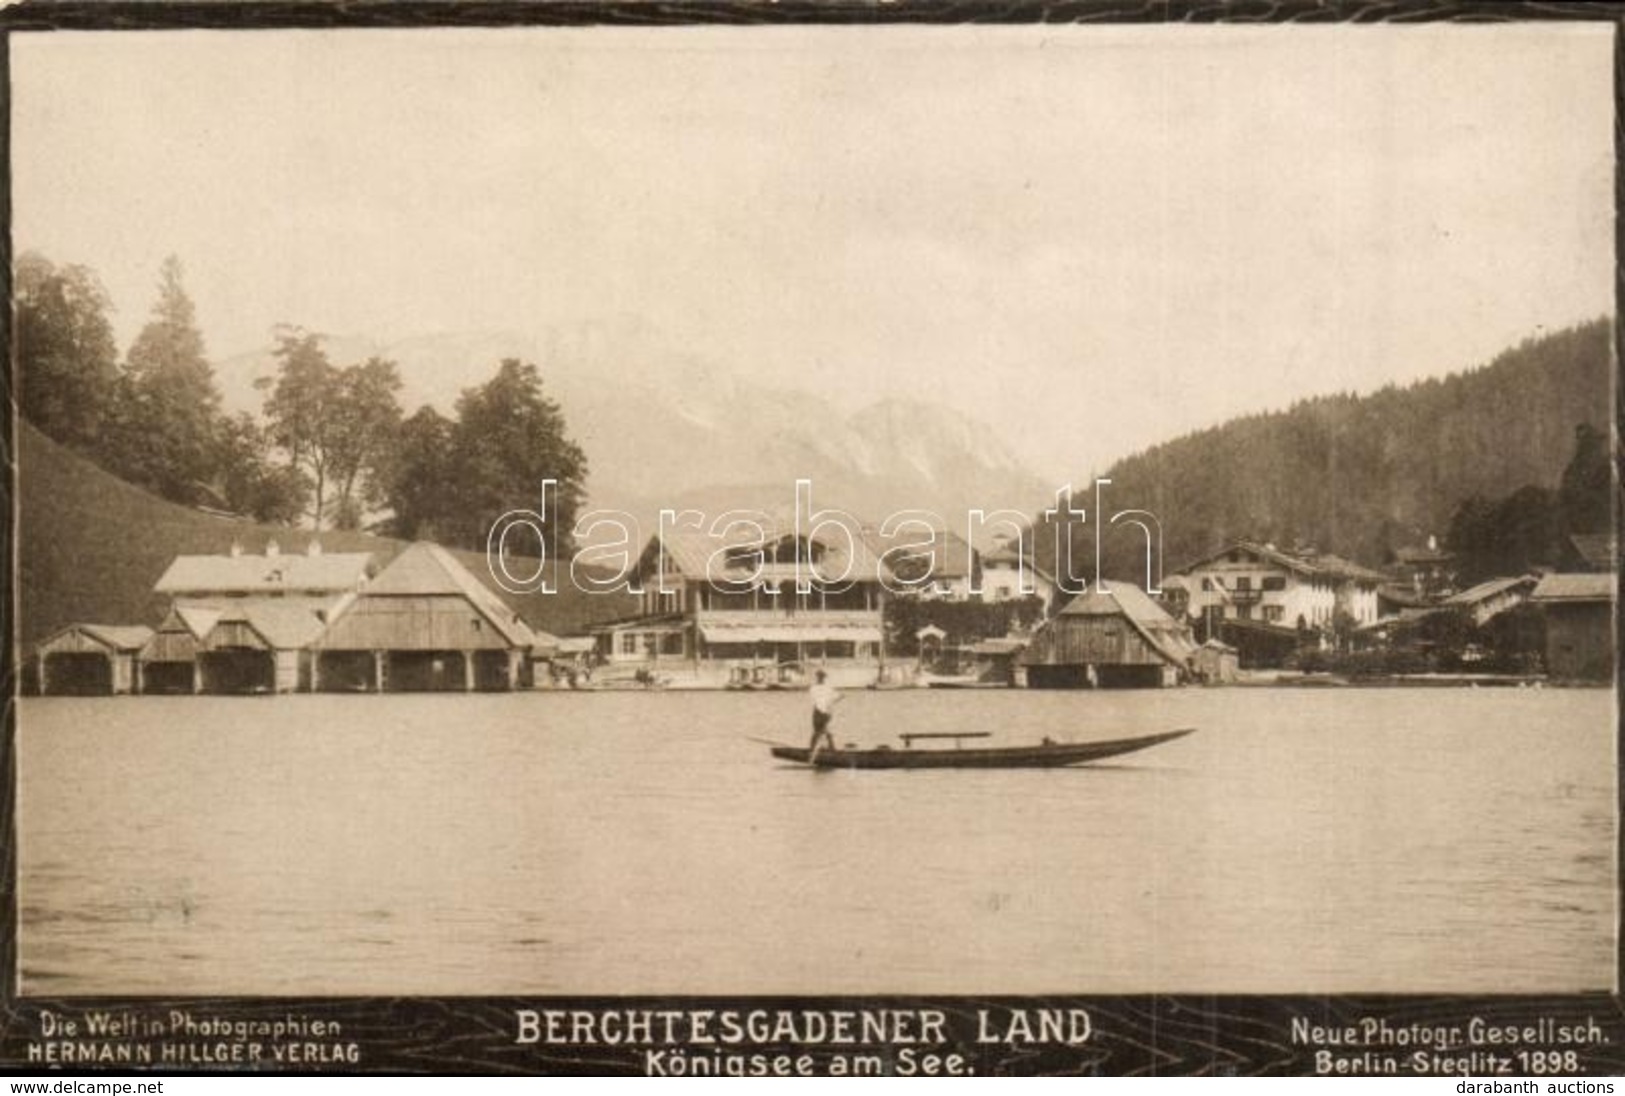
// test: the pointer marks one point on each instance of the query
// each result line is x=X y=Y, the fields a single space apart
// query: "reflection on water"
x=1302 y=841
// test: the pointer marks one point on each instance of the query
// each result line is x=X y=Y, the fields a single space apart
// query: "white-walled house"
x=1303 y=591
x=1002 y=572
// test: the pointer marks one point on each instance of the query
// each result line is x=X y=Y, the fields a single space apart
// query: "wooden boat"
x=1045 y=755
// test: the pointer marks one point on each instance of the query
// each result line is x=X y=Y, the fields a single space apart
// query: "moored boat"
x=1048 y=754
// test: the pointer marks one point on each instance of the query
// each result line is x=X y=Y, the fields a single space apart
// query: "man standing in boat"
x=824 y=698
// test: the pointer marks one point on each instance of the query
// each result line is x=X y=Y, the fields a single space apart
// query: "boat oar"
x=768 y=742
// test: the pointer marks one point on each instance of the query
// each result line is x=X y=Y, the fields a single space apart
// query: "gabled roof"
x=427 y=569
x=251 y=574
x=120 y=637
x=1588 y=586
x=1599 y=550
x=1338 y=567
x=284 y=627
x=115 y=637
x=946 y=554
x=1262 y=551
x=1318 y=565
x=1163 y=632
x=1486 y=590
x=698 y=556
x=197 y=619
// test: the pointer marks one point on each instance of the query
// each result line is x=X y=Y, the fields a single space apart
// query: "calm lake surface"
x=1302 y=841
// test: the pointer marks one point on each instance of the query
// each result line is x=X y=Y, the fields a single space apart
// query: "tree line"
x=332 y=448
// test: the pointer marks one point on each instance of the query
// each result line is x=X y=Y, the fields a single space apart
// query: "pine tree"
x=167 y=421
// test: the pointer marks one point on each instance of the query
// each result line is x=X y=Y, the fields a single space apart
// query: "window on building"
x=1273 y=582
x=1207 y=584
x=629 y=643
x=1272 y=613
x=1244 y=582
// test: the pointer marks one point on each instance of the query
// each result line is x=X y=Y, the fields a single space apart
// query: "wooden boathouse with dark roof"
x=424 y=624
x=91 y=660
x=1113 y=636
x=1579 y=611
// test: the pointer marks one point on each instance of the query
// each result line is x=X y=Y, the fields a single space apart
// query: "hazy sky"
x=1093 y=239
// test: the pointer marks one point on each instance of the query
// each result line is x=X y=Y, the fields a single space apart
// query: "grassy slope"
x=90 y=547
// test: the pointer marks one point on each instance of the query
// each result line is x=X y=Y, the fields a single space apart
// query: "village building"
x=1428 y=570
x=1579 y=611
x=944 y=569
x=1215 y=663
x=245 y=623
x=1002 y=573
x=424 y=624
x=1488 y=600
x=731 y=603
x=1114 y=636
x=91 y=660
x=1302 y=591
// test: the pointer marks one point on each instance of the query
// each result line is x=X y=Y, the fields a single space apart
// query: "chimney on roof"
x=314 y=548
x=272 y=550
x=235 y=550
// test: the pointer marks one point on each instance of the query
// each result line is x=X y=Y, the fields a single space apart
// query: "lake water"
x=1302 y=841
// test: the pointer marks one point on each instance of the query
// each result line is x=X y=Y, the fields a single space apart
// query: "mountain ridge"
x=661 y=426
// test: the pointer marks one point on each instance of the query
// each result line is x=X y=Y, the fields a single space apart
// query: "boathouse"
x=1579 y=611
x=1114 y=636
x=245 y=623
x=91 y=660
x=424 y=624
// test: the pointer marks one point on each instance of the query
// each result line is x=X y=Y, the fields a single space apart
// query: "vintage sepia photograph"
x=814 y=511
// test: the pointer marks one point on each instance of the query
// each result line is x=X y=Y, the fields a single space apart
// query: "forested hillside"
x=1363 y=475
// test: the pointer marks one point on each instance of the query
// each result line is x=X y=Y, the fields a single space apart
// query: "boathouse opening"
x=237 y=670
x=78 y=673
x=1057 y=677
x=346 y=672
x=494 y=671
x=426 y=672
x=167 y=678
